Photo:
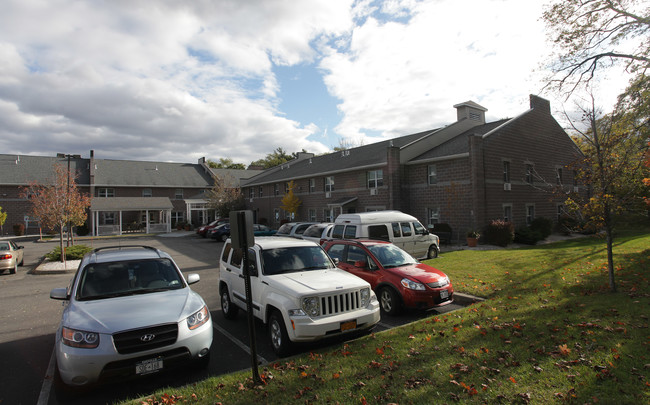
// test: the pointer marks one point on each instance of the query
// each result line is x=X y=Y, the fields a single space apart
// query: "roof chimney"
x=538 y=103
x=469 y=110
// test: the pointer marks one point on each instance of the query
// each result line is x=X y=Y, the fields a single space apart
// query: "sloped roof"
x=363 y=156
x=21 y=170
x=130 y=204
x=150 y=174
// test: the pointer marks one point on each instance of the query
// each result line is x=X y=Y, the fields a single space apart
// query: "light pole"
x=68 y=156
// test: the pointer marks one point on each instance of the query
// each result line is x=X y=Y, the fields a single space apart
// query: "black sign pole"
x=241 y=223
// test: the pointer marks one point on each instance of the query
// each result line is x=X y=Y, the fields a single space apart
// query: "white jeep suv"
x=297 y=291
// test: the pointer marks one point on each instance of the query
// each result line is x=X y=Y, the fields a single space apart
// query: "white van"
x=397 y=227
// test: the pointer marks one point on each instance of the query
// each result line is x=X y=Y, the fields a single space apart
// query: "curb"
x=462 y=298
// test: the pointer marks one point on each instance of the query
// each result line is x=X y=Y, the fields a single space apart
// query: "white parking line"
x=237 y=342
x=44 y=396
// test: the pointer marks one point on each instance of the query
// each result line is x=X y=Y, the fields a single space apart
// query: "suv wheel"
x=389 y=301
x=227 y=308
x=433 y=252
x=278 y=335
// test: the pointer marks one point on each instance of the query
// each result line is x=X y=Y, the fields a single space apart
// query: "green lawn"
x=549 y=332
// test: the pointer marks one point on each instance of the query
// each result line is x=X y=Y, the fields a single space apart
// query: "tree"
x=225 y=163
x=276 y=158
x=60 y=203
x=225 y=195
x=3 y=218
x=290 y=202
x=591 y=34
x=613 y=152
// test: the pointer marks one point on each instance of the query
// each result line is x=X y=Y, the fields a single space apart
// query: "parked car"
x=396 y=277
x=203 y=230
x=130 y=312
x=220 y=233
x=297 y=291
x=263 y=230
x=294 y=229
x=318 y=233
x=11 y=256
x=401 y=229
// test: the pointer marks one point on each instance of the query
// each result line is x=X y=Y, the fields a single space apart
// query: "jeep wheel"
x=278 y=335
x=228 y=310
x=389 y=301
x=433 y=252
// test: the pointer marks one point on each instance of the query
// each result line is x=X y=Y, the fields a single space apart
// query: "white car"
x=129 y=312
x=319 y=233
x=11 y=256
x=297 y=291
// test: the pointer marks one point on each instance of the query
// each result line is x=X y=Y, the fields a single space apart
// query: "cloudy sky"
x=179 y=80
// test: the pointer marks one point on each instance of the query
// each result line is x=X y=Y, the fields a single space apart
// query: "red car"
x=397 y=278
x=204 y=229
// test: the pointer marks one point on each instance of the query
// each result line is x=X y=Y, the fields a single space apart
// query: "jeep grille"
x=340 y=303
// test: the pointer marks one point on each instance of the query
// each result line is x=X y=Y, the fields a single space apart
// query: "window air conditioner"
x=507 y=186
x=373 y=191
x=575 y=189
x=328 y=194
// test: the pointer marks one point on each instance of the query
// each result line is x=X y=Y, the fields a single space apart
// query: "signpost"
x=241 y=237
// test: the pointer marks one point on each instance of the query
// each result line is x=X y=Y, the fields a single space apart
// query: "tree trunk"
x=609 y=232
x=61 y=244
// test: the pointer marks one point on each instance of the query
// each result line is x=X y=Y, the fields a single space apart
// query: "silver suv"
x=129 y=312
x=297 y=291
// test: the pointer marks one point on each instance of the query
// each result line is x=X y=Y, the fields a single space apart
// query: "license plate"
x=444 y=294
x=348 y=325
x=148 y=366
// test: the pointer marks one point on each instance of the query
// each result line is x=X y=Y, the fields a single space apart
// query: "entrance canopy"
x=156 y=210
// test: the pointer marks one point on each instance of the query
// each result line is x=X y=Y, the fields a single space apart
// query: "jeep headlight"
x=365 y=296
x=412 y=285
x=311 y=306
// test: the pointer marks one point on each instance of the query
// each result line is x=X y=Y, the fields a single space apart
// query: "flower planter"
x=472 y=242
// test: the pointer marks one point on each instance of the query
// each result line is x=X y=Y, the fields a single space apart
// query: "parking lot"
x=29 y=320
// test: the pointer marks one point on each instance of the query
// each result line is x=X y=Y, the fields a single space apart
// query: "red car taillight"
x=5 y=257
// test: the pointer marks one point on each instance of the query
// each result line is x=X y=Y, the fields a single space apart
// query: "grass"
x=549 y=332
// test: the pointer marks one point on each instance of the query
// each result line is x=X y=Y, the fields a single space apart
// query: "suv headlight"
x=198 y=318
x=311 y=306
x=412 y=285
x=79 y=338
x=365 y=296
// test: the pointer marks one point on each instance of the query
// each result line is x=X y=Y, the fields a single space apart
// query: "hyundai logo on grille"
x=148 y=337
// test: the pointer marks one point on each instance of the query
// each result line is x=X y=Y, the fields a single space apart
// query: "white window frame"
x=506 y=171
x=375 y=178
x=147 y=192
x=530 y=213
x=105 y=192
x=433 y=216
x=432 y=174
x=178 y=194
x=507 y=216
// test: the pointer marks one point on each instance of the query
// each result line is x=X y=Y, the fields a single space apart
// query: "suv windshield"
x=391 y=256
x=294 y=259
x=105 y=280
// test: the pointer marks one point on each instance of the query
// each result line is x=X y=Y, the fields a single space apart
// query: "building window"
x=312 y=215
x=433 y=216
x=575 y=178
x=147 y=192
x=261 y=191
x=529 y=174
x=560 y=211
x=312 y=185
x=506 y=171
x=530 y=214
x=286 y=188
x=251 y=193
x=375 y=178
x=507 y=213
x=558 y=176
x=276 y=215
x=177 y=216
x=327 y=215
x=108 y=218
x=178 y=194
x=432 y=174
x=105 y=192
x=329 y=185
x=276 y=189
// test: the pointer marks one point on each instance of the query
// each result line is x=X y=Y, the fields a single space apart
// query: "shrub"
x=499 y=232
x=542 y=225
x=19 y=229
x=527 y=235
x=567 y=225
x=83 y=230
x=75 y=252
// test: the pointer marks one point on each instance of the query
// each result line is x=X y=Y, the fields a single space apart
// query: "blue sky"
x=176 y=81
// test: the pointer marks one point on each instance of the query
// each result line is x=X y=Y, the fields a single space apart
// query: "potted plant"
x=472 y=238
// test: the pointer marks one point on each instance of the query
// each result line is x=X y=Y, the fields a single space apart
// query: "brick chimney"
x=541 y=104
